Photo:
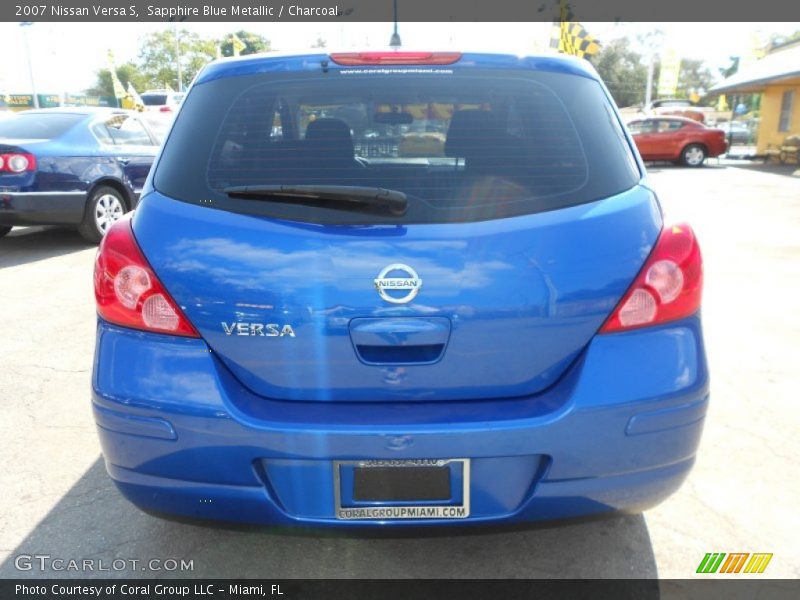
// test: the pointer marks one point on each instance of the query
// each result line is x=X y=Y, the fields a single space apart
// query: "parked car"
x=291 y=333
x=165 y=101
x=736 y=132
x=72 y=166
x=158 y=123
x=678 y=107
x=677 y=139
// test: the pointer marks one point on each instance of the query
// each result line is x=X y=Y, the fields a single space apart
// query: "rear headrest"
x=331 y=136
x=470 y=131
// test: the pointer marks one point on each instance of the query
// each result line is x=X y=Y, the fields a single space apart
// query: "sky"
x=66 y=56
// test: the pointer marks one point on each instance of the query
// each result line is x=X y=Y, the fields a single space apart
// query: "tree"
x=159 y=57
x=694 y=77
x=127 y=73
x=623 y=71
x=320 y=43
x=253 y=43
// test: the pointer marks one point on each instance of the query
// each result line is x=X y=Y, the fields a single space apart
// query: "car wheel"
x=105 y=207
x=694 y=155
x=4 y=229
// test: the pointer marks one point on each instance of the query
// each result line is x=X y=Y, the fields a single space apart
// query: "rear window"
x=38 y=126
x=462 y=144
x=154 y=99
x=669 y=125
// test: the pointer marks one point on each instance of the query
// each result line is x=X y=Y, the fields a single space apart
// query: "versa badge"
x=258 y=329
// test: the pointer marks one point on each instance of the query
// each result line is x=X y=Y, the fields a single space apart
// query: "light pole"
x=24 y=24
x=178 y=59
x=394 y=42
x=648 y=93
x=651 y=43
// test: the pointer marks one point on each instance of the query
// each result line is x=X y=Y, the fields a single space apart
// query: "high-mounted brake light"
x=165 y=109
x=17 y=162
x=127 y=291
x=668 y=287
x=395 y=58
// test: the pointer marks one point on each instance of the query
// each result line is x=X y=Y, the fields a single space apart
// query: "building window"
x=786 y=111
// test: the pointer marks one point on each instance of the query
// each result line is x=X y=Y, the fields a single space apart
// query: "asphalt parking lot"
x=742 y=495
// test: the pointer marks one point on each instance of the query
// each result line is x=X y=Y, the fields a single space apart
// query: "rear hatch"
x=524 y=225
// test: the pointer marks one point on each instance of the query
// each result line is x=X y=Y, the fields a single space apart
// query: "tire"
x=694 y=155
x=4 y=229
x=104 y=208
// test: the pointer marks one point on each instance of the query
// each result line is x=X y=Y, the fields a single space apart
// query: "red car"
x=677 y=139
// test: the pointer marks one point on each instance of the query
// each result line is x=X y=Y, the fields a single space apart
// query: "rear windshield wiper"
x=353 y=195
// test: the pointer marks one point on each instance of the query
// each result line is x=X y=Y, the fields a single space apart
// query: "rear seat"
x=480 y=138
x=327 y=153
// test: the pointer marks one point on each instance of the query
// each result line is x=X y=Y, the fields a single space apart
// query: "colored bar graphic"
x=718 y=562
x=702 y=566
x=711 y=562
x=758 y=563
x=734 y=562
x=740 y=564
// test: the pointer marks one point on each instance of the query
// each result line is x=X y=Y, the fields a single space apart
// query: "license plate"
x=382 y=490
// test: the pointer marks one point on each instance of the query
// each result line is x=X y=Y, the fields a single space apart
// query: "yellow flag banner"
x=238 y=45
x=571 y=37
x=669 y=73
x=756 y=51
x=576 y=40
x=119 y=90
x=135 y=99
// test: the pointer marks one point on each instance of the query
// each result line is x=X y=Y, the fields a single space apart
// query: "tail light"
x=17 y=162
x=127 y=291
x=165 y=109
x=668 y=287
x=395 y=58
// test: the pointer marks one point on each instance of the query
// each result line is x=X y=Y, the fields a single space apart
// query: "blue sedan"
x=81 y=167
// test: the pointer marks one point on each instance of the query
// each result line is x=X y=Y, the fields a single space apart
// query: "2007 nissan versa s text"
x=395 y=288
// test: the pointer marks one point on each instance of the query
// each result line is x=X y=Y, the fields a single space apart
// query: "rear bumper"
x=619 y=432
x=718 y=149
x=42 y=208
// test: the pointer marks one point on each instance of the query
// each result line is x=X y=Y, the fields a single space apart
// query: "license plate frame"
x=394 y=511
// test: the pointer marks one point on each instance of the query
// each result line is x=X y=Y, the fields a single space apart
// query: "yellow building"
x=776 y=77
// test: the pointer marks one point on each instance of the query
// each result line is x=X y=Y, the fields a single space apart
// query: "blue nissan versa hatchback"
x=395 y=288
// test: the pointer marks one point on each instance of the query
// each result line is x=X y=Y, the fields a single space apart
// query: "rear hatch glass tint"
x=461 y=144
